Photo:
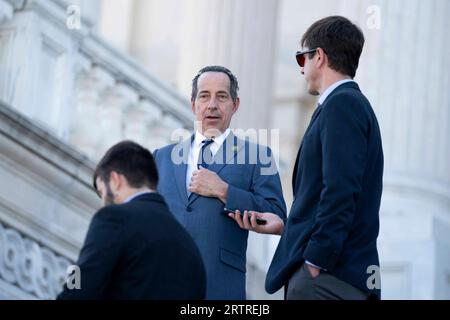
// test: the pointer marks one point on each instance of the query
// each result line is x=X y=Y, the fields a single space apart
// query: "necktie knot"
x=205 y=156
x=207 y=142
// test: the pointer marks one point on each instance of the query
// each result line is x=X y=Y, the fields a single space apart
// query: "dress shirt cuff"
x=313 y=265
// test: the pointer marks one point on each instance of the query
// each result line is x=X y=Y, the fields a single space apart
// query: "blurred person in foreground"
x=135 y=248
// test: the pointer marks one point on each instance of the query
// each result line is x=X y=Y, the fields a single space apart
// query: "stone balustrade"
x=79 y=87
x=33 y=268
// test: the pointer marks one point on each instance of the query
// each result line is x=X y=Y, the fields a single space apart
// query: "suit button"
x=188 y=209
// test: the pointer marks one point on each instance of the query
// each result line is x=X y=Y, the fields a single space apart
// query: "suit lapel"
x=180 y=170
x=313 y=119
x=226 y=153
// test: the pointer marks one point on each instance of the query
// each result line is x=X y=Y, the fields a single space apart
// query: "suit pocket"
x=232 y=259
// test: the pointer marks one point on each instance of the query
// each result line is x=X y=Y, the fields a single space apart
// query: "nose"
x=302 y=70
x=212 y=103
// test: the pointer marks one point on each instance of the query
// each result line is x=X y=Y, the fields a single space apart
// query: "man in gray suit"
x=214 y=170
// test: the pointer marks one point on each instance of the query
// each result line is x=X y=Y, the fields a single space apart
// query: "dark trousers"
x=302 y=286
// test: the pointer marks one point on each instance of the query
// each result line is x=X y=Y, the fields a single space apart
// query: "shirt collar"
x=137 y=194
x=331 y=88
x=199 y=138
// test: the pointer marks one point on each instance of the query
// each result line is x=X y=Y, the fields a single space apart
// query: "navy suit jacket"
x=137 y=250
x=221 y=241
x=337 y=184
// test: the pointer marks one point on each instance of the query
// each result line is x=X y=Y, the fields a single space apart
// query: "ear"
x=236 y=105
x=115 y=181
x=193 y=106
x=322 y=59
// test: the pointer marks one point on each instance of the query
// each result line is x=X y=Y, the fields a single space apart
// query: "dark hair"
x=130 y=159
x=341 y=40
x=234 y=86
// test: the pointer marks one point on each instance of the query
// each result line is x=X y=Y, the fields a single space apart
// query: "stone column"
x=140 y=121
x=112 y=110
x=156 y=32
x=116 y=18
x=405 y=74
x=85 y=132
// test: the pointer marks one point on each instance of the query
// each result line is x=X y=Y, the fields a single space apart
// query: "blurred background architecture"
x=78 y=76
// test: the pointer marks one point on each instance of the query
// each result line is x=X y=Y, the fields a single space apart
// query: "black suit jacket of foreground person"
x=137 y=250
x=337 y=183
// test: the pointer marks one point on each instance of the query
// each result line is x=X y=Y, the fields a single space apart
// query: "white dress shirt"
x=331 y=88
x=194 y=151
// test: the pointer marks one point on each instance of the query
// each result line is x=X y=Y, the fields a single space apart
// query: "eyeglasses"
x=300 y=56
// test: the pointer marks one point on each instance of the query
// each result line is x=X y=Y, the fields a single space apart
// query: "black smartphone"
x=259 y=221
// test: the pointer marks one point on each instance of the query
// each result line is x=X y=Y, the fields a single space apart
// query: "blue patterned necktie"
x=205 y=156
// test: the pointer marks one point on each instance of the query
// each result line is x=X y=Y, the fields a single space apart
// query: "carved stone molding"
x=33 y=268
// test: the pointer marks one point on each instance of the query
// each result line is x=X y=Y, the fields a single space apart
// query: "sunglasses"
x=300 y=56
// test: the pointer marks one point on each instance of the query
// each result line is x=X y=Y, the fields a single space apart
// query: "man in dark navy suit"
x=328 y=247
x=135 y=248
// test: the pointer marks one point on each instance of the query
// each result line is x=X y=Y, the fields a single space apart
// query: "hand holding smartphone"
x=259 y=221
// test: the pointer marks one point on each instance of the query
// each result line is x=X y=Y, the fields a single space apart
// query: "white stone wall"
x=65 y=97
x=408 y=89
x=46 y=203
